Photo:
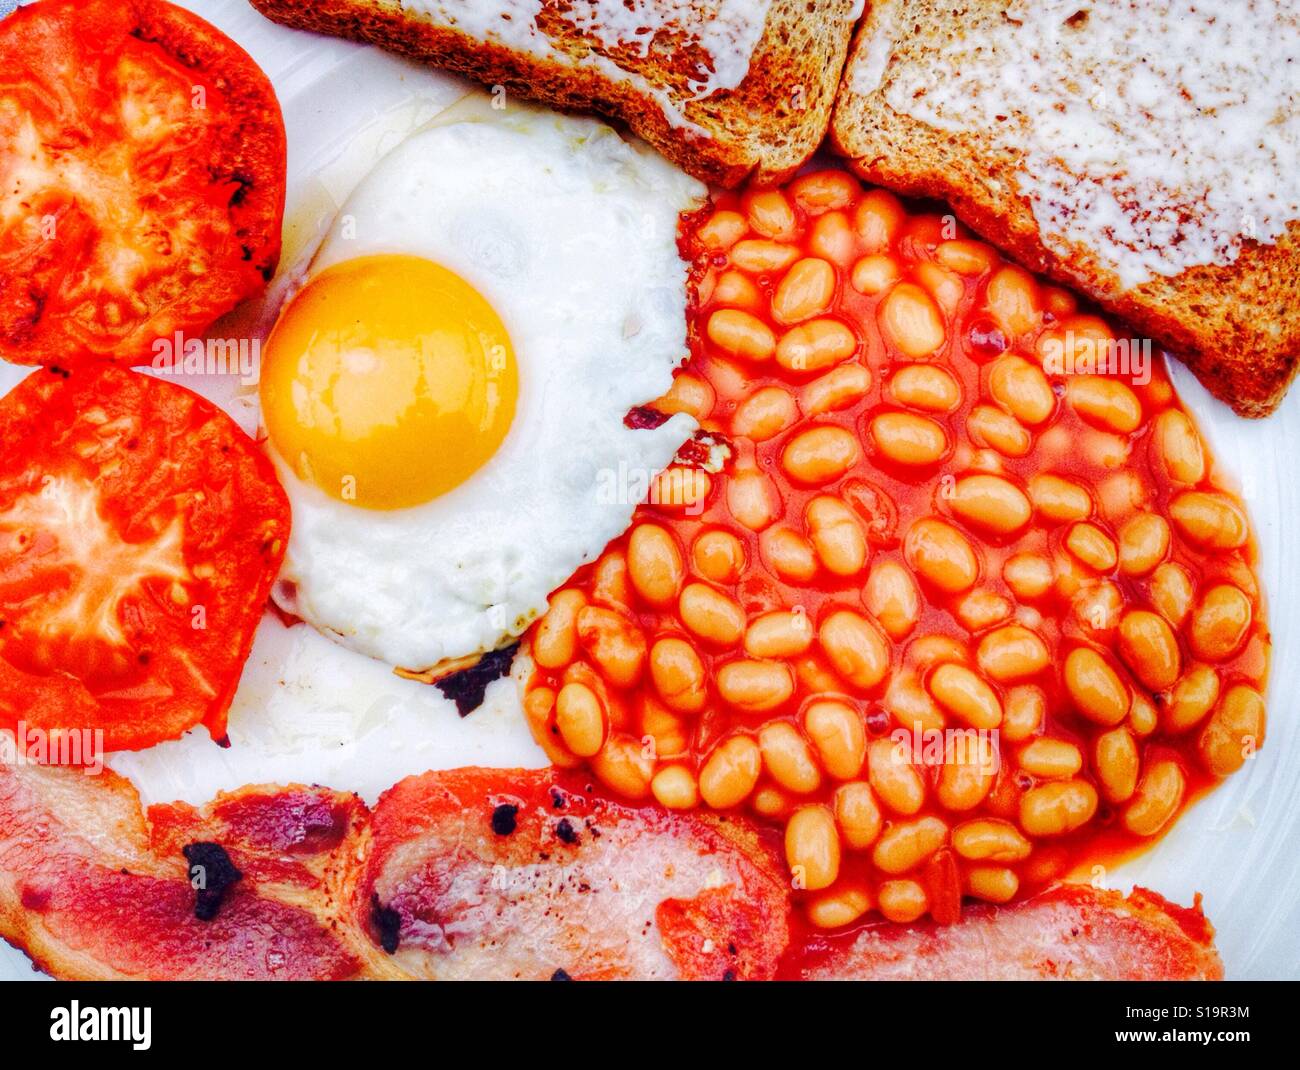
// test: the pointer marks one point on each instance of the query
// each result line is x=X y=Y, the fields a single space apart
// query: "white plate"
x=1240 y=846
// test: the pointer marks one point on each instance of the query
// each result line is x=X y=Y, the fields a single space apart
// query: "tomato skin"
x=140 y=532
x=176 y=141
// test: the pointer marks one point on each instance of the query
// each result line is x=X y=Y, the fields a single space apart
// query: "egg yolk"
x=388 y=381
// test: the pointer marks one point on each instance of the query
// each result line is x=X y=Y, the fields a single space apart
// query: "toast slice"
x=1133 y=157
x=726 y=89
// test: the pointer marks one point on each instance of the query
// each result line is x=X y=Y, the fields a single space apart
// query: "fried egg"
x=445 y=395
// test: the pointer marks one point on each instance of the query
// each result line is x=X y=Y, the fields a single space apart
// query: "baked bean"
x=555 y=641
x=894 y=778
x=1012 y=298
x=722 y=230
x=925 y=386
x=718 y=556
x=874 y=274
x=1057 y=808
x=730 y=772
x=911 y=705
x=1103 y=449
x=1143 y=543
x=674 y=788
x=1159 y=794
x=878 y=217
x=741 y=334
x=538 y=704
x=815 y=345
x=1092 y=547
x=892 y=598
x=1220 y=623
x=831 y=238
x=1211 y=520
x=680 y=487
x=1011 y=653
x=967 y=774
x=1235 y=731
x=855 y=647
x=991 y=503
x=1143 y=717
x=966 y=696
x=760 y=256
x=1115 y=756
x=1148 y=646
x=908 y=439
x=788 y=554
x=1022 y=389
x=820 y=455
x=787 y=757
x=1023 y=711
x=1171 y=591
x=1095 y=688
x=821 y=191
x=1179 y=447
x=1105 y=403
x=771 y=802
x=993 y=884
x=667 y=729
x=678 y=674
x=978 y=610
x=781 y=633
x=944 y=286
x=911 y=320
x=837 y=389
x=941 y=555
x=931 y=650
x=755 y=686
x=965 y=257
x=689 y=394
x=1059 y=500
x=902 y=901
x=610 y=583
x=614 y=642
x=990 y=840
x=836 y=535
x=621 y=766
x=654 y=564
x=771 y=215
x=1050 y=758
x=580 y=719
x=711 y=615
x=1096 y=606
x=812 y=847
x=906 y=844
x=806 y=291
x=998 y=430
x=857 y=815
x=753 y=499
x=1028 y=575
x=736 y=290
x=841 y=905
x=764 y=414
x=838 y=734
x=1192 y=698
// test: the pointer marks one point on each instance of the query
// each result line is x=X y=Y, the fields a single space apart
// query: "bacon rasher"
x=478 y=873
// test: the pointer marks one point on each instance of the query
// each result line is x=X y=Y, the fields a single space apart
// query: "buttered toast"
x=1143 y=154
x=726 y=89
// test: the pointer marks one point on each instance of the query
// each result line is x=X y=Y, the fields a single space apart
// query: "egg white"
x=570 y=234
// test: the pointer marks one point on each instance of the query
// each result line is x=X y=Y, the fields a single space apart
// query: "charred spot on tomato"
x=467 y=687
x=565 y=831
x=211 y=874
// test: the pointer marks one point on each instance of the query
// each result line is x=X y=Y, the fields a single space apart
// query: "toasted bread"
x=914 y=73
x=693 y=87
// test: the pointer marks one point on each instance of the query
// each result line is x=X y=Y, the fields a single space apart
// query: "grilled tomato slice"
x=140 y=533
x=142 y=157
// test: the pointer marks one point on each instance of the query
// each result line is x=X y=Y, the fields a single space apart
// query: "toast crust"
x=1236 y=326
x=764 y=128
